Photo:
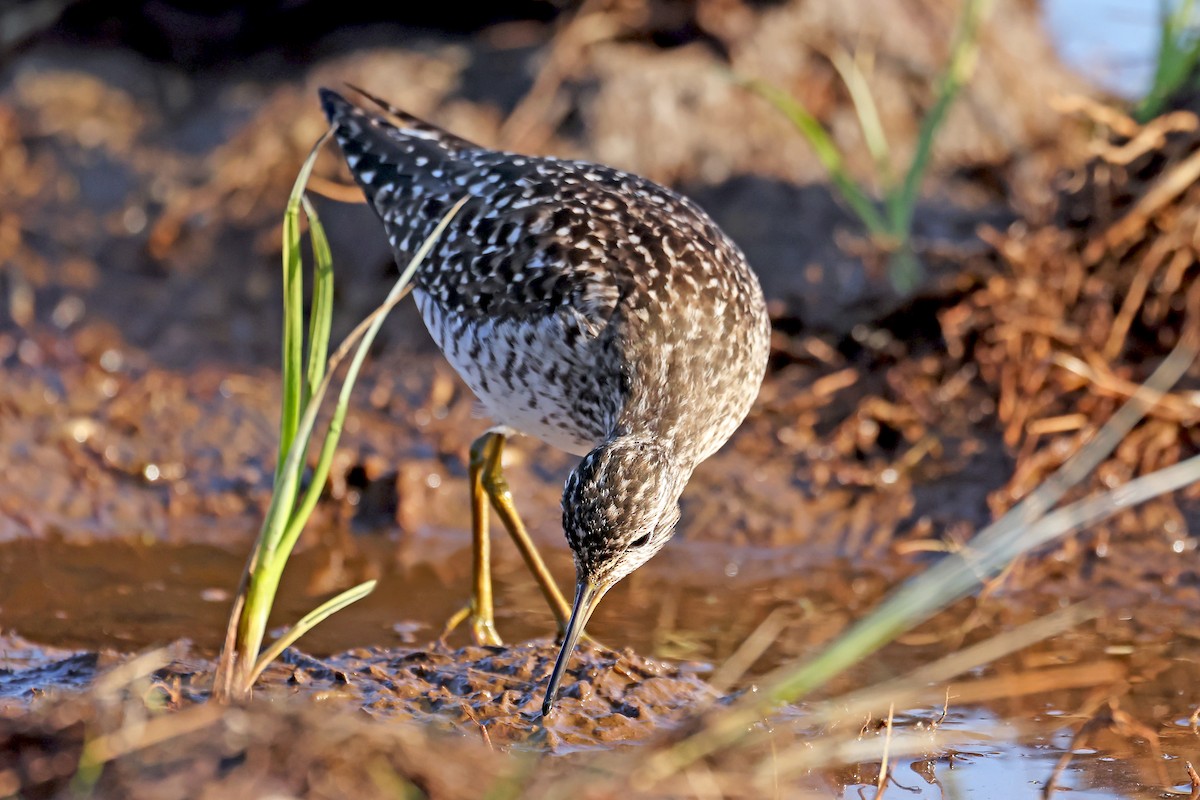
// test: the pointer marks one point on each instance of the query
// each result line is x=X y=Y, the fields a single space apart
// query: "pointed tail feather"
x=399 y=127
x=405 y=167
x=414 y=125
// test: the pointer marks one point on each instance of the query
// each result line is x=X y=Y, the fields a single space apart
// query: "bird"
x=585 y=306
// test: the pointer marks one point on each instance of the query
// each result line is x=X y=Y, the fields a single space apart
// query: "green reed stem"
x=305 y=384
x=1177 y=58
x=888 y=223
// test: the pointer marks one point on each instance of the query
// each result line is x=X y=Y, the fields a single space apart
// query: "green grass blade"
x=293 y=310
x=293 y=313
x=265 y=568
x=964 y=55
x=914 y=686
x=321 y=313
x=309 y=621
x=283 y=529
x=367 y=331
x=868 y=114
x=827 y=153
x=997 y=544
x=1176 y=59
x=901 y=201
x=258 y=589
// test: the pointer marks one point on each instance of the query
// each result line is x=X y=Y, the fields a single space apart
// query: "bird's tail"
x=390 y=150
x=338 y=108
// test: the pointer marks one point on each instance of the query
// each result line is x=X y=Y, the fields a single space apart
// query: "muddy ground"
x=147 y=156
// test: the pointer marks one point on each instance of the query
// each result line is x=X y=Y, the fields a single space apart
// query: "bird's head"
x=620 y=506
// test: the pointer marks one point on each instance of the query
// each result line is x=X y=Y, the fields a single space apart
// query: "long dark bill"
x=587 y=597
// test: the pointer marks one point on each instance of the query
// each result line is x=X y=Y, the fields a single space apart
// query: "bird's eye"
x=641 y=541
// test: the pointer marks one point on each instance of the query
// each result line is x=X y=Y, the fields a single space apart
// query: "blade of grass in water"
x=283 y=529
x=310 y=621
x=247 y=622
x=304 y=389
x=1014 y=533
x=904 y=689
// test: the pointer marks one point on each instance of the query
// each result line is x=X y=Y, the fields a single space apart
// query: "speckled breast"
x=529 y=373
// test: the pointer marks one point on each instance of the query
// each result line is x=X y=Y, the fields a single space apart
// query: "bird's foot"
x=483 y=629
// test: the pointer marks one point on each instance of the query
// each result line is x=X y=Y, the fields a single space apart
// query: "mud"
x=138 y=395
x=486 y=700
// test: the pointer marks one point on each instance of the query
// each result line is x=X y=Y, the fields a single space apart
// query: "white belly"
x=527 y=377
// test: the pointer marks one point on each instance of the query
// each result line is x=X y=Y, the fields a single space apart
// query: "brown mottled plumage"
x=591 y=308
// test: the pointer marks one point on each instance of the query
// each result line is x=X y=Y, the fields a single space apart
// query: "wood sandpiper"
x=588 y=307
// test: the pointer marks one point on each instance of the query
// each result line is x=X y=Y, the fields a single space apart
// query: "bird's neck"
x=645 y=438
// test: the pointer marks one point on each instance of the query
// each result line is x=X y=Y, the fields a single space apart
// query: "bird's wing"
x=536 y=236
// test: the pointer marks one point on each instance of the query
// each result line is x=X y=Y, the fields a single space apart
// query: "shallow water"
x=992 y=760
x=700 y=605
x=81 y=598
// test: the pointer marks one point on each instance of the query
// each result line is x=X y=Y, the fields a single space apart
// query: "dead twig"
x=1133 y=224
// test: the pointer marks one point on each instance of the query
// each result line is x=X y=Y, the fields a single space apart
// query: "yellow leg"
x=480 y=609
x=487 y=481
x=502 y=500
